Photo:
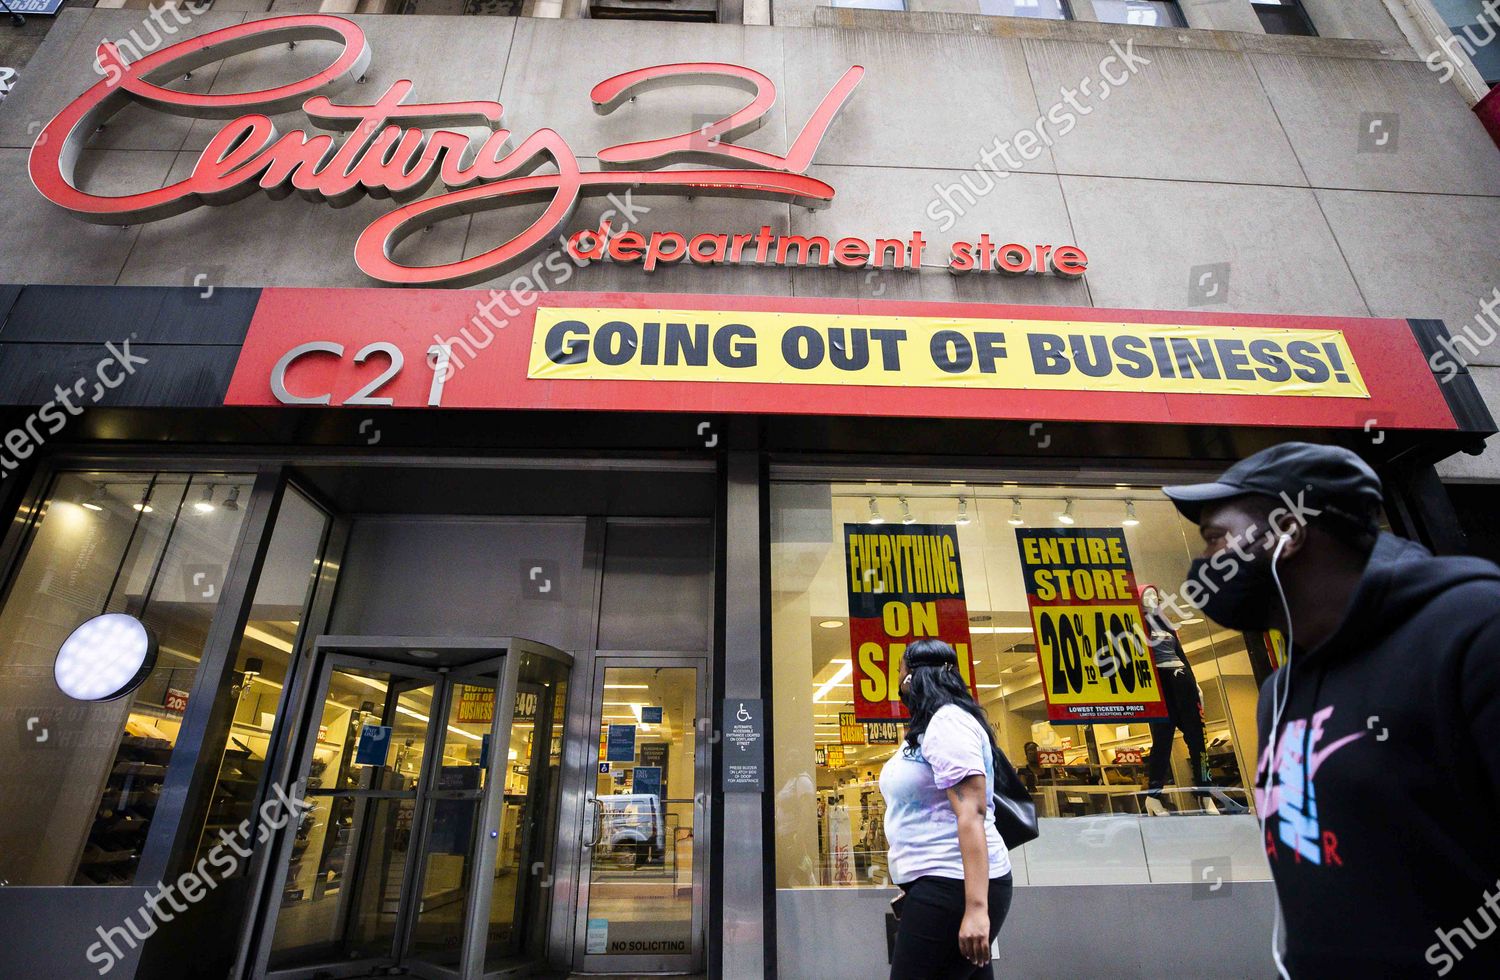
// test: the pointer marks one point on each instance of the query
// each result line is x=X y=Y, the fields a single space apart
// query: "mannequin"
x=1184 y=705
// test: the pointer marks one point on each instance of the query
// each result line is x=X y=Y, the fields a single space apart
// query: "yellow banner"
x=851 y=732
x=574 y=343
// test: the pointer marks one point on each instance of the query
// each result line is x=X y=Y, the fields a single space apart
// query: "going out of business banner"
x=905 y=584
x=573 y=343
x=1087 y=619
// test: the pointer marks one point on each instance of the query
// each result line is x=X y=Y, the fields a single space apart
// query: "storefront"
x=478 y=632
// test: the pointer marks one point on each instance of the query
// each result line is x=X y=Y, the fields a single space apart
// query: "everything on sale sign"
x=905 y=584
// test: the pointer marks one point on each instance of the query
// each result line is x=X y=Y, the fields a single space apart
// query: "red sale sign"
x=905 y=584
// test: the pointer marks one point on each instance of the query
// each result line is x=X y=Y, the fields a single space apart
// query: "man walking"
x=1378 y=782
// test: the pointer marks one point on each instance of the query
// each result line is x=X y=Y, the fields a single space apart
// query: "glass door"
x=641 y=901
x=346 y=870
x=448 y=887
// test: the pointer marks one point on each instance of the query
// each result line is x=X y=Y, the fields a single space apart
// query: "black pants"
x=1184 y=711
x=927 y=935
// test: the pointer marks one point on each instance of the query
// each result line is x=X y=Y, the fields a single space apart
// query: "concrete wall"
x=1236 y=150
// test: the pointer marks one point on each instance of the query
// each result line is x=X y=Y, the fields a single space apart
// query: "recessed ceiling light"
x=424 y=654
x=831 y=624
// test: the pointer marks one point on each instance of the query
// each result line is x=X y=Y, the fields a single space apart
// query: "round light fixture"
x=424 y=654
x=105 y=658
x=831 y=624
x=1066 y=517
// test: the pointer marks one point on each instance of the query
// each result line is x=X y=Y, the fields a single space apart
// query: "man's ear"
x=1295 y=533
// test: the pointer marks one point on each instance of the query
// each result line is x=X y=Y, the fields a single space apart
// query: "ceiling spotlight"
x=831 y=624
x=1066 y=517
x=104 y=658
x=875 y=517
x=1016 y=519
x=1130 y=519
x=96 y=502
x=143 y=505
x=233 y=501
x=963 y=511
x=906 y=517
x=206 y=505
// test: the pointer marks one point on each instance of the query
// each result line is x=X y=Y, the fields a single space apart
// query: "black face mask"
x=903 y=694
x=1241 y=596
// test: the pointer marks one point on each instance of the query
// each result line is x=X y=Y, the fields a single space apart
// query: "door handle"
x=590 y=822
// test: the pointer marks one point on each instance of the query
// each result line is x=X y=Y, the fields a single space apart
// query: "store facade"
x=542 y=616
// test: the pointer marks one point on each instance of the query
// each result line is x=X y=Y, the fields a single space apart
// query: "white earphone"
x=1280 y=694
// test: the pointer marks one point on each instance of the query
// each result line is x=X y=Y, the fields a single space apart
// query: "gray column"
x=744 y=835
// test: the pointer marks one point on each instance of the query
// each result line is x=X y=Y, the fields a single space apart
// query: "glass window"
x=262 y=662
x=1041 y=9
x=872 y=4
x=1283 y=17
x=1097 y=785
x=79 y=788
x=1475 y=28
x=1142 y=13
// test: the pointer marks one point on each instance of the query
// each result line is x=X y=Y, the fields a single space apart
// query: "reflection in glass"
x=78 y=796
x=641 y=871
x=261 y=664
x=344 y=881
x=1141 y=13
x=829 y=812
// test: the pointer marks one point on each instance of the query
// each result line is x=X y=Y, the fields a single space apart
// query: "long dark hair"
x=934 y=686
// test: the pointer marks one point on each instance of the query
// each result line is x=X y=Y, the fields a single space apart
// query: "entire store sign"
x=398 y=149
x=1086 y=617
x=905 y=584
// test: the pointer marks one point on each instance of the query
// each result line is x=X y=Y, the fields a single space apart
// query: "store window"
x=1140 y=13
x=1153 y=785
x=1283 y=17
x=1038 y=9
x=80 y=780
x=263 y=662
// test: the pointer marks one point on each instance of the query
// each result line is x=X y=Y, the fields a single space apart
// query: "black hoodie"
x=1386 y=848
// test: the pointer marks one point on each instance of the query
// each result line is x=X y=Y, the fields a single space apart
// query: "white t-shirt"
x=920 y=825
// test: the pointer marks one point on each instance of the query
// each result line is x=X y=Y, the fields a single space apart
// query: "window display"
x=1121 y=717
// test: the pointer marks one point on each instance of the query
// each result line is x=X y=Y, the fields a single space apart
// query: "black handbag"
x=1015 y=812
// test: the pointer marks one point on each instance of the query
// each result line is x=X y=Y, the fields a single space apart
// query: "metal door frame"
x=694 y=961
x=326 y=657
x=327 y=650
x=476 y=890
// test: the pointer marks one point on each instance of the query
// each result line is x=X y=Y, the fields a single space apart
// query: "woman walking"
x=945 y=852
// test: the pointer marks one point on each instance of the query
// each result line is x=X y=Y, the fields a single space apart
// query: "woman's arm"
x=970 y=802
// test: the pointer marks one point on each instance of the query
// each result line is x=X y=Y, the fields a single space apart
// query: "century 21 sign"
x=390 y=152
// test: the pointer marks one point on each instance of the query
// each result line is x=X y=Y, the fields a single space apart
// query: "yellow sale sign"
x=1087 y=619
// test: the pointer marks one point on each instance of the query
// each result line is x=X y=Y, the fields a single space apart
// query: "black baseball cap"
x=1323 y=476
